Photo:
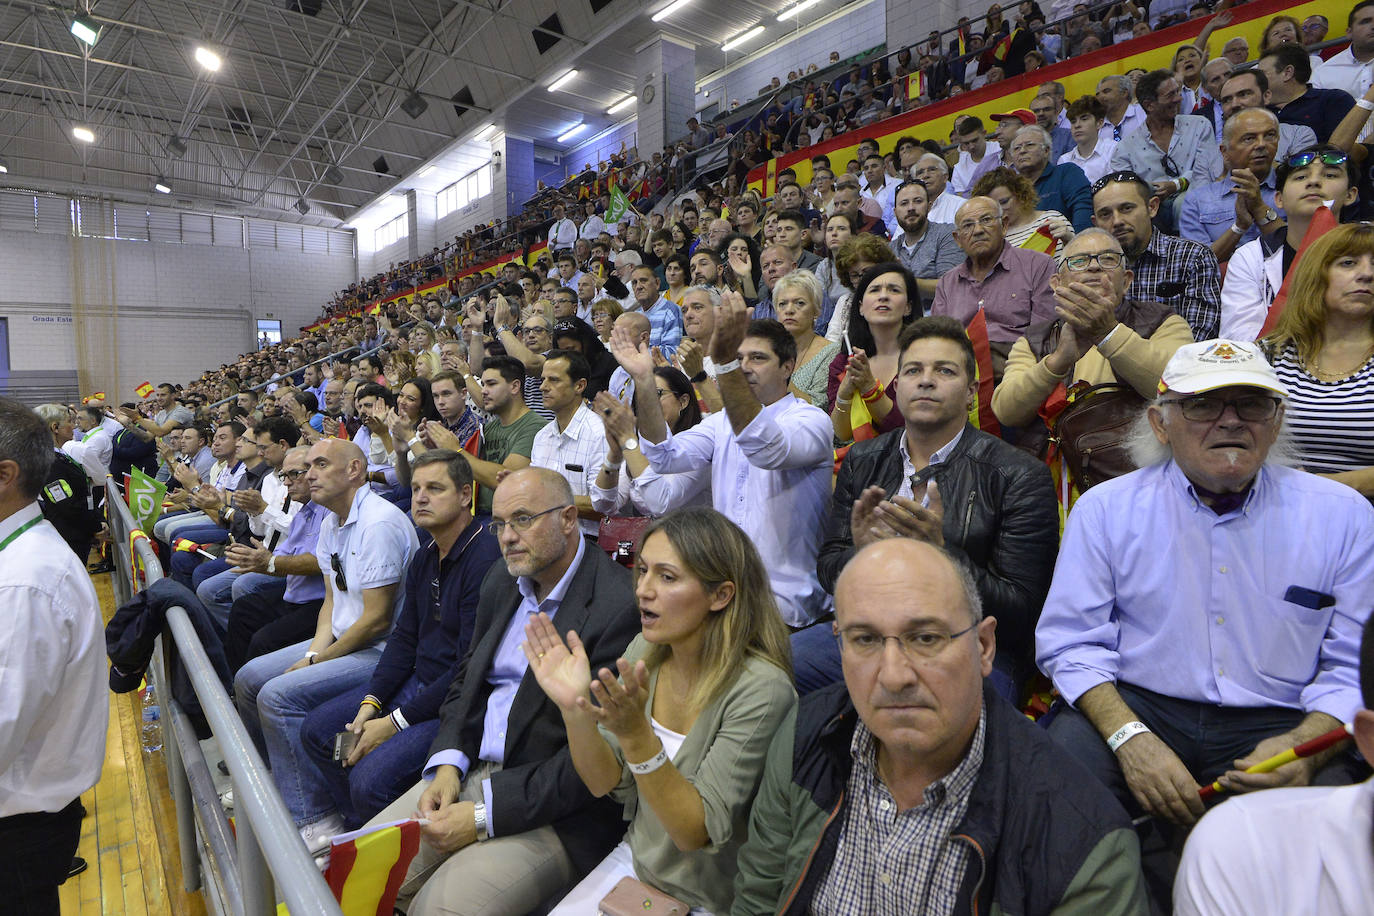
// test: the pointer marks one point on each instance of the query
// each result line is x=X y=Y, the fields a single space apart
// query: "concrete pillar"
x=422 y=210
x=517 y=168
x=665 y=70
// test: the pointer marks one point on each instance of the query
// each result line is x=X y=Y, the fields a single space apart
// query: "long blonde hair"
x=714 y=550
x=1303 y=320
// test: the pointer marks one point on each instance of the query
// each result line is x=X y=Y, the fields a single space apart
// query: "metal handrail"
x=268 y=843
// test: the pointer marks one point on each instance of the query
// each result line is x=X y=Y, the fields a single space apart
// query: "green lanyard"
x=18 y=531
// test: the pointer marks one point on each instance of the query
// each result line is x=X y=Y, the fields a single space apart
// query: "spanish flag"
x=98 y=396
x=861 y=427
x=981 y=415
x=366 y=867
x=144 y=389
x=1041 y=240
x=916 y=84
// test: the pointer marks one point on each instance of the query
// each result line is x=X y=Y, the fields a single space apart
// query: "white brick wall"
x=151 y=310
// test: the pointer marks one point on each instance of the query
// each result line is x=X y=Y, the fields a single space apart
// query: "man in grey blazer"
x=510 y=823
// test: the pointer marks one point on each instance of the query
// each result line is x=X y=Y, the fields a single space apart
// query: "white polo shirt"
x=373 y=545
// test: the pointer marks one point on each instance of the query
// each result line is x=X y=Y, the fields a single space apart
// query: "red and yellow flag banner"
x=144 y=389
x=981 y=415
x=1041 y=240
x=1323 y=221
x=366 y=867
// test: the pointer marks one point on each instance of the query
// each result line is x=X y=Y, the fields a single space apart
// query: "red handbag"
x=620 y=537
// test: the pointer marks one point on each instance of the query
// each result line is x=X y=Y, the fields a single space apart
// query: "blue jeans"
x=384 y=775
x=185 y=562
x=221 y=587
x=273 y=705
x=816 y=661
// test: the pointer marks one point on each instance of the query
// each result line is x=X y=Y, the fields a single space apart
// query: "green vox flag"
x=620 y=205
x=145 y=498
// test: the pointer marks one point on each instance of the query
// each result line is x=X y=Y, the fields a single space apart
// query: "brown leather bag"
x=1092 y=431
x=630 y=897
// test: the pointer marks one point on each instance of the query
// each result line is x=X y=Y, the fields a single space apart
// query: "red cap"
x=1021 y=114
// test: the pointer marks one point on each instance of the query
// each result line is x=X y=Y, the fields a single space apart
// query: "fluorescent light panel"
x=622 y=104
x=161 y=187
x=669 y=10
x=485 y=132
x=428 y=171
x=743 y=37
x=83 y=134
x=85 y=31
x=207 y=58
x=562 y=81
x=797 y=10
x=571 y=132
x=4 y=167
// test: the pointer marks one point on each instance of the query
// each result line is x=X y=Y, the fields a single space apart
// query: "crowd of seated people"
x=806 y=695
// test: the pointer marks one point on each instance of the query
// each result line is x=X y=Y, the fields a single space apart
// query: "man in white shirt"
x=944 y=203
x=94 y=448
x=1093 y=146
x=1122 y=114
x=1290 y=849
x=563 y=232
x=364 y=546
x=877 y=185
x=593 y=225
x=1353 y=68
x=574 y=442
x=771 y=454
x=976 y=157
x=54 y=711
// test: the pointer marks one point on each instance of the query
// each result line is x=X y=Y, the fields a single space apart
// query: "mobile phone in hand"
x=344 y=742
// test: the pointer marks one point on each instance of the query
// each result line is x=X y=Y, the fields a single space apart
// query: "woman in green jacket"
x=680 y=736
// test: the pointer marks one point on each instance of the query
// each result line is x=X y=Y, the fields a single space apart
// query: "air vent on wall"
x=379 y=165
x=462 y=101
x=542 y=39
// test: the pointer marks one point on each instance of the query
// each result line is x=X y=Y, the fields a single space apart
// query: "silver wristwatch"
x=479 y=818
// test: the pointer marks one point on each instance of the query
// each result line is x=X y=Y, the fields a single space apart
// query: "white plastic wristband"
x=1125 y=733
x=1365 y=104
x=720 y=369
x=648 y=766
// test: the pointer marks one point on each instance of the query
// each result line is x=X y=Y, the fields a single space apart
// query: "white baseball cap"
x=1211 y=364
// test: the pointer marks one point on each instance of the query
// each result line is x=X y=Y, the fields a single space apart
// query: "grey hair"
x=1093 y=232
x=967 y=585
x=1146 y=450
x=52 y=413
x=940 y=159
x=1122 y=81
x=1226 y=130
x=1000 y=212
x=1044 y=135
x=711 y=293
x=847 y=181
x=26 y=440
x=803 y=280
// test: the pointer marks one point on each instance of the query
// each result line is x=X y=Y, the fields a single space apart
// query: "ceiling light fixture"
x=562 y=81
x=669 y=10
x=485 y=132
x=428 y=171
x=622 y=104
x=572 y=132
x=4 y=167
x=797 y=10
x=83 y=134
x=161 y=186
x=207 y=58
x=85 y=30
x=743 y=37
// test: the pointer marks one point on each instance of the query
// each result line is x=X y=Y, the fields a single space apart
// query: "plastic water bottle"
x=152 y=722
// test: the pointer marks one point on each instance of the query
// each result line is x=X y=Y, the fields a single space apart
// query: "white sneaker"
x=317 y=834
x=227 y=800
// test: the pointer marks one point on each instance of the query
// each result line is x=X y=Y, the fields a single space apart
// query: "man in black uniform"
x=66 y=498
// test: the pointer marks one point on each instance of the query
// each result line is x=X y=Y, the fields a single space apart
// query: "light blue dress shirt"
x=1153 y=589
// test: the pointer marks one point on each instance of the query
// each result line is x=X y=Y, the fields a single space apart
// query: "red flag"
x=366 y=867
x=1002 y=48
x=981 y=415
x=144 y=389
x=1041 y=240
x=1322 y=221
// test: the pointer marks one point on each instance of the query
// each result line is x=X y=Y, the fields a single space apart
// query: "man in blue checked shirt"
x=1206 y=610
x=665 y=318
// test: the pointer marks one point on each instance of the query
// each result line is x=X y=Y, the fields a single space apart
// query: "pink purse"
x=631 y=897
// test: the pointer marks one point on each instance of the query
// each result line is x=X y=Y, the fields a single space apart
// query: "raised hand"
x=560 y=668
x=634 y=357
x=400 y=427
x=620 y=702
x=732 y=321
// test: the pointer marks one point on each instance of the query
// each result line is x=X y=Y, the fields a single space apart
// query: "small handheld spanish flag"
x=98 y=396
x=144 y=389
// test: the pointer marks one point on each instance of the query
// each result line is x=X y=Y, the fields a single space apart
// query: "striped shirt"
x=576 y=451
x=1332 y=423
x=891 y=863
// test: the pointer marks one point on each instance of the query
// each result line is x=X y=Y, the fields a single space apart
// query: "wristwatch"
x=630 y=445
x=1270 y=216
x=479 y=820
x=272 y=565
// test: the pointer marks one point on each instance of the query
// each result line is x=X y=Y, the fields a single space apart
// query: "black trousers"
x=261 y=622
x=36 y=852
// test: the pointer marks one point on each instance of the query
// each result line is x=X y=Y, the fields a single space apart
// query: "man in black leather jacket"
x=941 y=480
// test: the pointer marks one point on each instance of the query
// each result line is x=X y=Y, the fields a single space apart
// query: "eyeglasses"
x=1307 y=157
x=290 y=476
x=1170 y=166
x=986 y=221
x=1203 y=408
x=916 y=645
x=1114 y=177
x=1107 y=260
x=340 y=580
x=519 y=523
x=532 y=329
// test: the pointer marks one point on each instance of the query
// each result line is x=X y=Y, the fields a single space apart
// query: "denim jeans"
x=362 y=791
x=222 y=588
x=273 y=705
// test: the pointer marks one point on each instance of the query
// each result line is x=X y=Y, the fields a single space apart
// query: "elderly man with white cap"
x=1206 y=610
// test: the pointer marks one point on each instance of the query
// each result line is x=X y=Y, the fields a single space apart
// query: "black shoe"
x=78 y=866
x=224 y=768
x=103 y=566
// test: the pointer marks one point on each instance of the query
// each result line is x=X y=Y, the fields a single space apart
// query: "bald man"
x=1019 y=826
x=621 y=385
x=363 y=548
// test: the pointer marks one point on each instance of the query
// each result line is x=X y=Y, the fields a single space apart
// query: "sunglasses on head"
x=1115 y=177
x=1307 y=157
